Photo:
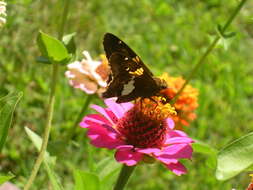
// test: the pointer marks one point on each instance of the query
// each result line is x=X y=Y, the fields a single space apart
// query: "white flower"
x=3 y=8
x=87 y=74
x=2 y=13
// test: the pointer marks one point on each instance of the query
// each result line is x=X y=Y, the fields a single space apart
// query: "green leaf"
x=224 y=43
x=52 y=49
x=8 y=105
x=37 y=141
x=86 y=181
x=235 y=157
x=108 y=171
x=5 y=178
x=224 y=35
x=48 y=160
x=69 y=42
x=53 y=177
x=41 y=59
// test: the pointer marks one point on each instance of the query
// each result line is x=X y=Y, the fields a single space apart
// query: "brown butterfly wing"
x=112 y=44
x=130 y=78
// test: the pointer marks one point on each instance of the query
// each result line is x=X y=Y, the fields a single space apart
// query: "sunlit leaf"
x=86 y=181
x=235 y=157
x=69 y=42
x=52 y=48
x=48 y=160
x=5 y=178
x=37 y=141
x=7 y=108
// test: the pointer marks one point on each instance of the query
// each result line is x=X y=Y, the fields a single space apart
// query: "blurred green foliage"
x=170 y=36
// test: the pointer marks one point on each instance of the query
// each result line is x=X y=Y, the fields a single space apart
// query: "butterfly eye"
x=165 y=100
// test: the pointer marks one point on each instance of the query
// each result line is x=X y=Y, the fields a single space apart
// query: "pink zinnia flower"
x=88 y=75
x=138 y=132
x=8 y=186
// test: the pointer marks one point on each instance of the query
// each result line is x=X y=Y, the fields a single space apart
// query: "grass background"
x=169 y=36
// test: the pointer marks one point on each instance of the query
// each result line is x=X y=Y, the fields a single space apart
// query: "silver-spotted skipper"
x=129 y=78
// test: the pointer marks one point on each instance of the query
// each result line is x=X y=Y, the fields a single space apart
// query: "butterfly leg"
x=141 y=101
x=156 y=104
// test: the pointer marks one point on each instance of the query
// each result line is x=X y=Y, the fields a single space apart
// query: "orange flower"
x=186 y=103
x=250 y=187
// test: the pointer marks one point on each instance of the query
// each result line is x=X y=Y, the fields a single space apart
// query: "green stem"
x=124 y=175
x=72 y=129
x=209 y=49
x=50 y=109
x=64 y=18
x=90 y=158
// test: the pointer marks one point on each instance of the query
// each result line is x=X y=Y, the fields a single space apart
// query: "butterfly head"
x=162 y=90
x=161 y=84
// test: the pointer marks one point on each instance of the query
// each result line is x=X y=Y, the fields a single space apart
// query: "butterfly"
x=130 y=78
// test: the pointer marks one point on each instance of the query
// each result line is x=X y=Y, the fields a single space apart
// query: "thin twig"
x=209 y=50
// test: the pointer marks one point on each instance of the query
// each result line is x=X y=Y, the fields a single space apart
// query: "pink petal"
x=93 y=119
x=126 y=106
x=89 y=87
x=106 y=113
x=111 y=115
x=170 y=123
x=102 y=138
x=117 y=109
x=128 y=157
x=177 y=168
x=177 y=133
x=148 y=150
x=175 y=152
x=178 y=140
x=79 y=79
x=166 y=160
x=125 y=147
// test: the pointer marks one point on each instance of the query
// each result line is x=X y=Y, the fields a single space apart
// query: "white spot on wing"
x=128 y=88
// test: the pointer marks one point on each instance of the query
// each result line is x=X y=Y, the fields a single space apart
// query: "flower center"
x=144 y=125
x=103 y=69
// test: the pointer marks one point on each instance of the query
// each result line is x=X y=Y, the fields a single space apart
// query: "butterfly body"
x=130 y=78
